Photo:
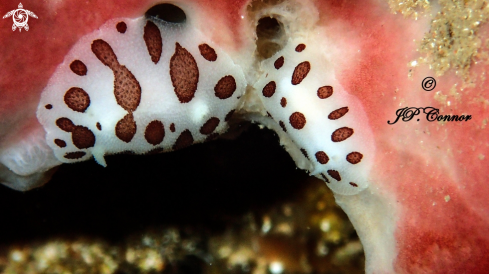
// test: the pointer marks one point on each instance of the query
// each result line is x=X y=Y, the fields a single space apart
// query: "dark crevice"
x=271 y=37
x=193 y=186
x=167 y=12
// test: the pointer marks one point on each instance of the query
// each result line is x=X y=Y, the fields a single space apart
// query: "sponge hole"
x=168 y=13
x=270 y=33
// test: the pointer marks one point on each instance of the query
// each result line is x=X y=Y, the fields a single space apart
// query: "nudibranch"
x=142 y=85
x=89 y=80
x=139 y=85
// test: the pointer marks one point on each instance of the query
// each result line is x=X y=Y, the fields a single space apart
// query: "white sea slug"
x=318 y=122
x=138 y=85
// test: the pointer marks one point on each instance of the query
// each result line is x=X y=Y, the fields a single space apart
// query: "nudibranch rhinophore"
x=326 y=76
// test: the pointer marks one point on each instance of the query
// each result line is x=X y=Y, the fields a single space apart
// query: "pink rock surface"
x=426 y=210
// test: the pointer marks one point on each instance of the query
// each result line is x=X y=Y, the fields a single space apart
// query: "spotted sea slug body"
x=320 y=124
x=139 y=85
x=142 y=85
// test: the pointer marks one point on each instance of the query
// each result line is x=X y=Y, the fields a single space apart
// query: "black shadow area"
x=203 y=185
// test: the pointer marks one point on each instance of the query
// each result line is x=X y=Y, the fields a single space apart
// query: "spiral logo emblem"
x=428 y=84
x=20 y=17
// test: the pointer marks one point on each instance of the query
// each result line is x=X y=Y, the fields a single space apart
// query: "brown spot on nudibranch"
x=354 y=157
x=325 y=92
x=104 y=52
x=121 y=27
x=353 y=184
x=300 y=47
x=225 y=87
x=154 y=43
x=125 y=129
x=337 y=114
x=99 y=126
x=172 y=127
x=283 y=102
x=184 y=74
x=127 y=90
x=207 y=52
x=82 y=137
x=74 y=155
x=341 y=134
x=297 y=120
x=184 y=140
x=155 y=132
x=282 y=125
x=48 y=106
x=325 y=178
x=269 y=89
x=229 y=115
x=279 y=62
x=209 y=126
x=77 y=99
x=322 y=157
x=300 y=72
x=60 y=142
x=65 y=124
x=78 y=67
x=335 y=174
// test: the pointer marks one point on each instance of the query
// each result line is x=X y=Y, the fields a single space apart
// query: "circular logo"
x=20 y=17
x=428 y=83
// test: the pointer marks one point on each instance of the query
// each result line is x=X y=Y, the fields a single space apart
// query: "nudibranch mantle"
x=144 y=85
x=151 y=94
x=319 y=123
